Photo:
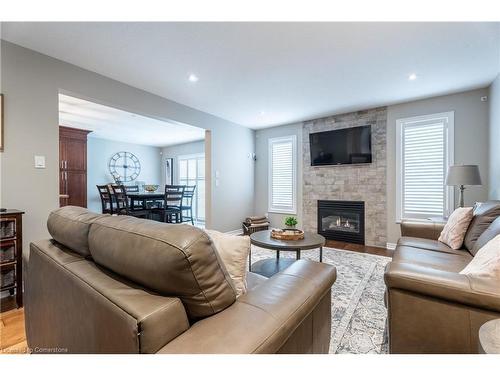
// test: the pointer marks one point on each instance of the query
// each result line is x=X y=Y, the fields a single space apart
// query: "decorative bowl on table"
x=151 y=188
x=287 y=234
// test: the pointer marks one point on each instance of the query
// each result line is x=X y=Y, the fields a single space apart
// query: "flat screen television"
x=343 y=146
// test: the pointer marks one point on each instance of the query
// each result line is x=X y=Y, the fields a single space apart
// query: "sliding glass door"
x=192 y=172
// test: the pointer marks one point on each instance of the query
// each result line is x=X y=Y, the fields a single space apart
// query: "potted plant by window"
x=290 y=222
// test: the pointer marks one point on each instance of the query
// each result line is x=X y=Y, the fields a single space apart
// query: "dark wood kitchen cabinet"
x=72 y=167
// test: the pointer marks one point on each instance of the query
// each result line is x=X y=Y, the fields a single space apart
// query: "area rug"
x=358 y=311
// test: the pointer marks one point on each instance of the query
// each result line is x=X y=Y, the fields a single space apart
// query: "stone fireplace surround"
x=363 y=182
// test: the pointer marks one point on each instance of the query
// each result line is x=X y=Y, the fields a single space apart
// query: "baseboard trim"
x=236 y=232
x=390 y=246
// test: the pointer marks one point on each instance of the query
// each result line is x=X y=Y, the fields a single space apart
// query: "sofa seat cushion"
x=426 y=244
x=432 y=259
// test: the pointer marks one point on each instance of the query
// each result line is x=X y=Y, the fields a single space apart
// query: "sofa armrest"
x=263 y=319
x=421 y=229
x=477 y=292
x=73 y=304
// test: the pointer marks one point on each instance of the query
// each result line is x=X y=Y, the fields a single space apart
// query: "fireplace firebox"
x=342 y=220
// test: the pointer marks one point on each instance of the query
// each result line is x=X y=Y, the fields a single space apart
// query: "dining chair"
x=173 y=202
x=123 y=203
x=135 y=204
x=187 y=204
x=106 y=199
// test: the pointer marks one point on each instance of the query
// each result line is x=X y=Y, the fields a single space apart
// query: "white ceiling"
x=121 y=126
x=264 y=74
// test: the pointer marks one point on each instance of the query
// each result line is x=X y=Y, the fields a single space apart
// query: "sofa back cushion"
x=171 y=259
x=484 y=214
x=490 y=233
x=70 y=227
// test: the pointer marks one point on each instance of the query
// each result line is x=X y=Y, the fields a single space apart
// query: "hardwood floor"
x=359 y=248
x=12 y=330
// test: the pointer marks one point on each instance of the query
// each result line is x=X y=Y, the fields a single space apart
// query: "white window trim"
x=184 y=157
x=180 y=158
x=191 y=156
x=271 y=141
x=450 y=155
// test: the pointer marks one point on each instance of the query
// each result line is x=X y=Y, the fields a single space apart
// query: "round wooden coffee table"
x=268 y=267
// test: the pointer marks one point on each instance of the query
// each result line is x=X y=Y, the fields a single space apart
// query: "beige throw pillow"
x=454 y=231
x=486 y=263
x=233 y=250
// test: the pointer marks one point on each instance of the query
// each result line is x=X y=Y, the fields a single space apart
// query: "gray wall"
x=471 y=147
x=494 y=99
x=99 y=151
x=262 y=172
x=178 y=150
x=471 y=142
x=31 y=83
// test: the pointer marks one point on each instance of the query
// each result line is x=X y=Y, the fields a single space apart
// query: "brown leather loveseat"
x=107 y=284
x=431 y=307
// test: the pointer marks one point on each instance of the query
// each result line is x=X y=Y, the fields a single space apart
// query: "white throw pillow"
x=454 y=231
x=486 y=263
x=233 y=250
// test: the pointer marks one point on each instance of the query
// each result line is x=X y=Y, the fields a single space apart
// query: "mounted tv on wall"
x=342 y=146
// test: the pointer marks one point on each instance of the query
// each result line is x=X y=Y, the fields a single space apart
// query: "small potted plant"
x=290 y=222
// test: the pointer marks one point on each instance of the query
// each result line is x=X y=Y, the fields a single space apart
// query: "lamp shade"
x=463 y=175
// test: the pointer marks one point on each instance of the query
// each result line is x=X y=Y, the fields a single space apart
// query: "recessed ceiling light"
x=412 y=77
x=193 y=78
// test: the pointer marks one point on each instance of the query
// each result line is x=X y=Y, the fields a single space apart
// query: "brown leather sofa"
x=107 y=284
x=431 y=307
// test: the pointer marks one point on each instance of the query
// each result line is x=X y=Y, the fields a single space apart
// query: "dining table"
x=146 y=196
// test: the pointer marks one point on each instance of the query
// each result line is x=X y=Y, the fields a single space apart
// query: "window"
x=424 y=153
x=192 y=172
x=282 y=174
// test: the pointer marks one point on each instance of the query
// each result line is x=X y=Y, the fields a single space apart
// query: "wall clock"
x=124 y=166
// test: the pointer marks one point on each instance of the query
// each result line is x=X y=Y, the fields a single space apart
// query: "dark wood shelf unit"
x=11 y=240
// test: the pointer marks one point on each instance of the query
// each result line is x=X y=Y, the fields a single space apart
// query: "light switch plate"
x=39 y=161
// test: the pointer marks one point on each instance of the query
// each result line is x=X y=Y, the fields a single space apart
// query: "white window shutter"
x=282 y=174
x=425 y=151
